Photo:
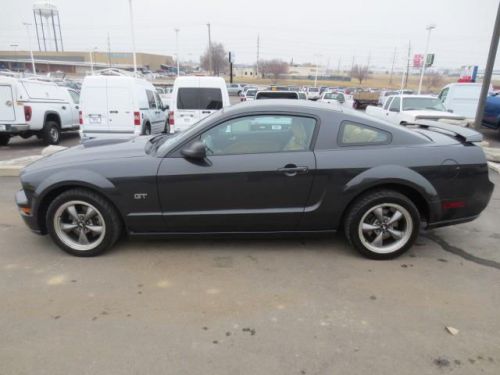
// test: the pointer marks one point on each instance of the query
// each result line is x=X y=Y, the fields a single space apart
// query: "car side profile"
x=262 y=167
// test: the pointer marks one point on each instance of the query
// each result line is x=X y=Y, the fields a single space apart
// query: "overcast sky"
x=327 y=30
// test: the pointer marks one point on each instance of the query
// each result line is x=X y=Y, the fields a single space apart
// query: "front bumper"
x=29 y=219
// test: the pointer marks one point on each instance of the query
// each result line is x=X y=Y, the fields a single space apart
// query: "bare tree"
x=360 y=73
x=219 y=59
x=433 y=79
x=273 y=67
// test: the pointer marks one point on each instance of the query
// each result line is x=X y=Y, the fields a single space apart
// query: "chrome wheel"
x=79 y=225
x=385 y=228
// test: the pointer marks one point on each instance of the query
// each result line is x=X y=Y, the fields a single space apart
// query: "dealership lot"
x=281 y=306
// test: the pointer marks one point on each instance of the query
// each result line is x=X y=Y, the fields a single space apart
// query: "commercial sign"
x=418 y=60
x=468 y=73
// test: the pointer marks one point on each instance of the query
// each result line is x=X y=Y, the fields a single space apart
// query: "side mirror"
x=196 y=150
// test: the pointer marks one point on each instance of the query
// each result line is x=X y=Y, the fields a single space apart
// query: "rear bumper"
x=29 y=219
x=14 y=128
x=93 y=134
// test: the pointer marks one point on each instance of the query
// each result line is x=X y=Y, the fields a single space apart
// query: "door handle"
x=63 y=107
x=205 y=111
x=293 y=170
x=113 y=111
x=76 y=107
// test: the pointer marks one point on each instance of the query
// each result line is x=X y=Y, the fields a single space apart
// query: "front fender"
x=392 y=174
x=77 y=177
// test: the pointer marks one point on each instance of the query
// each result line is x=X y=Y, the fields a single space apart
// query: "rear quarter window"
x=355 y=134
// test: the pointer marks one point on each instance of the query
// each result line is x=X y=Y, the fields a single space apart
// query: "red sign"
x=418 y=60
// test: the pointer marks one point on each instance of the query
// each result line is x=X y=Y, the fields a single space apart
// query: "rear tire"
x=79 y=210
x=51 y=133
x=4 y=139
x=382 y=224
x=147 y=130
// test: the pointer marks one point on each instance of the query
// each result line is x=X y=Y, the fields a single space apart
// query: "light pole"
x=177 y=49
x=429 y=28
x=15 y=45
x=316 y=75
x=133 y=35
x=27 y=24
x=91 y=54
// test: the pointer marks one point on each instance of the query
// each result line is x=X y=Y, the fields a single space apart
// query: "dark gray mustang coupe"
x=272 y=167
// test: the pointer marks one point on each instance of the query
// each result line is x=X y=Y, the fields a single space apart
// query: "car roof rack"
x=465 y=134
x=118 y=72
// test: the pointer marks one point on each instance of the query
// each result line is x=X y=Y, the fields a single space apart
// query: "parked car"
x=407 y=109
x=195 y=98
x=234 y=89
x=29 y=106
x=276 y=95
x=249 y=95
x=329 y=97
x=302 y=95
x=312 y=93
x=120 y=106
x=384 y=94
x=262 y=167
x=491 y=117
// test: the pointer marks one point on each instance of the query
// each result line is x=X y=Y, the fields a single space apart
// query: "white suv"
x=30 y=106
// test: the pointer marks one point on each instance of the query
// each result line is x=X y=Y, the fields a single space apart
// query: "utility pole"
x=392 y=67
x=210 y=60
x=488 y=71
x=177 y=49
x=91 y=63
x=27 y=24
x=368 y=60
x=338 y=66
x=352 y=64
x=133 y=35
x=109 y=51
x=429 y=28
x=258 y=51
x=408 y=64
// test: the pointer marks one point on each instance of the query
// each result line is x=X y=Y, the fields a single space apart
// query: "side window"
x=260 y=134
x=341 y=98
x=353 y=134
x=75 y=96
x=158 y=100
x=151 y=99
x=443 y=94
x=387 y=102
x=395 y=105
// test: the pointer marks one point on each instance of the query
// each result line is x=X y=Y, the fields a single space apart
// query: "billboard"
x=468 y=73
x=418 y=60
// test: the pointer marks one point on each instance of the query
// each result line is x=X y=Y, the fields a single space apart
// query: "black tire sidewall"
x=369 y=202
x=46 y=133
x=4 y=139
x=109 y=220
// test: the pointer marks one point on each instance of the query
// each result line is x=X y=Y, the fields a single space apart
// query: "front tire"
x=83 y=223
x=382 y=224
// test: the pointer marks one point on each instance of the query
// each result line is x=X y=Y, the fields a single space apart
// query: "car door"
x=256 y=177
x=393 y=111
x=160 y=115
x=75 y=107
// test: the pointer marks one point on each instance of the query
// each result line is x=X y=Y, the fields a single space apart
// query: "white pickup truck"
x=30 y=106
x=406 y=109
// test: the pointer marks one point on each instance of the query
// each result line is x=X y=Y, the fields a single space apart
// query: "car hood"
x=97 y=149
x=434 y=114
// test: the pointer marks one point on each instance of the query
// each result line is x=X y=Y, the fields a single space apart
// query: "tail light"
x=80 y=117
x=137 y=118
x=27 y=112
x=171 y=120
x=453 y=204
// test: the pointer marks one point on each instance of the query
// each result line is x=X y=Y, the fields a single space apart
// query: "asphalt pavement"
x=282 y=306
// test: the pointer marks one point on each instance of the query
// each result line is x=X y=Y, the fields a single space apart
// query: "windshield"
x=251 y=92
x=432 y=104
x=313 y=89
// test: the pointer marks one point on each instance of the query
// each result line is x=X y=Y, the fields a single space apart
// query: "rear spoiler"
x=465 y=134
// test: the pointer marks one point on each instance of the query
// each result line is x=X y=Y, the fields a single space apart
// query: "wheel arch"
x=401 y=179
x=52 y=116
x=45 y=195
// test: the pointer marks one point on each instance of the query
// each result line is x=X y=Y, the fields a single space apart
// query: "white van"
x=120 y=106
x=461 y=98
x=194 y=98
x=32 y=106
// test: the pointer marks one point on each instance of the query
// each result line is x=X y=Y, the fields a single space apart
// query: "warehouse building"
x=80 y=63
